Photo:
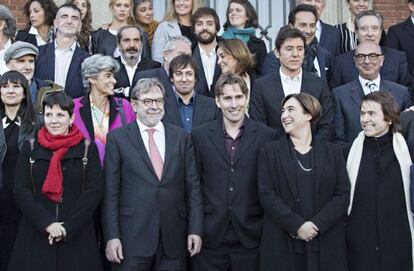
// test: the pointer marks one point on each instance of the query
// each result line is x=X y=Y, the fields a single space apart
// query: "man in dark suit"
x=328 y=36
x=317 y=59
x=269 y=90
x=401 y=37
x=206 y=24
x=226 y=152
x=368 y=26
x=179 y=45
x=129 y=40
x=347 y=98
x=60 y=60
x=187 y=108
x=152 y=205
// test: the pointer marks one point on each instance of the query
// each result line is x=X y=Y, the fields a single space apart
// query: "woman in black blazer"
x=41 y=14
x=304 y=190
x=242 y=23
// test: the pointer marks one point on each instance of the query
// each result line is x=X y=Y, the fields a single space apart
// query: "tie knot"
x=151 y=131
x=372 y=86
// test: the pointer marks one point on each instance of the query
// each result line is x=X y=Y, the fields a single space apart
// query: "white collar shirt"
x=291 y=85
x=39 y=39
x=318 y=30
x=365 y=84
x=130 y=72
x=63 y=58
x=3 y=66
x=159 y=137
x=209 y=61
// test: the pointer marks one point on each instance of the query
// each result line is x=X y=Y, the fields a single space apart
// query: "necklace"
x=302 y=167
x=99 y=122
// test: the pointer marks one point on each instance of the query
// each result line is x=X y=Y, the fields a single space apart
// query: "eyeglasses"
x=148 y=102
x=372 y=57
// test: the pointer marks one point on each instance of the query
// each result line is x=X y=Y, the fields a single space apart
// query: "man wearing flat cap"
x=7 y=32
x=21 y=57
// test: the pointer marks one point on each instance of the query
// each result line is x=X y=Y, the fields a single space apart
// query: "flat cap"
x=19 y=49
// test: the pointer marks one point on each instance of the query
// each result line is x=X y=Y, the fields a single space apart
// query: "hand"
x=56 y=232
x=194 y=244
x=105 y=26
x=308 y=231
x=113 y=251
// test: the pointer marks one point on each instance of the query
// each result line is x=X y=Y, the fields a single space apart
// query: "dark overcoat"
x=79 y=250
x=279 y=196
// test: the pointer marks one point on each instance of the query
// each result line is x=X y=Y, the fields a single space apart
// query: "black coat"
x=24 y=35
x=258 y=48
x=79 y=250
x=204 y=111
x=278 y=191
x=162 y=75
x=230 y=190
x=267 y=96
x=330 y=39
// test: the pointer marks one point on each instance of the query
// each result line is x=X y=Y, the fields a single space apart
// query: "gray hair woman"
x=7 y=33
x=98 y=111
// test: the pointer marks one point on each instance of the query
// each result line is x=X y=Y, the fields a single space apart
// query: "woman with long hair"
x=241 y=23
x=16 y=125
x=144 y=17
x=176 y=22
x=41 y=14
x=58 y=186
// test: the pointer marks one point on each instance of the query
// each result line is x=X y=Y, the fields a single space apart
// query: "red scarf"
x=59 y=145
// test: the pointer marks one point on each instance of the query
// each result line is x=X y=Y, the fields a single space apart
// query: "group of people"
x=164 y=146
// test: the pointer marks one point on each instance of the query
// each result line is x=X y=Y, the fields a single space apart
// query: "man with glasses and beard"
x=206 y=24
x=130 y=46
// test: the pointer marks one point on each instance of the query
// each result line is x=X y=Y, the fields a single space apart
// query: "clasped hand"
x=308 y=231
x=56 y=232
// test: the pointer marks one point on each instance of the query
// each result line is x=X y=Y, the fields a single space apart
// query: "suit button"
x=231 y=189
x=231 y=169
x=377 y=248
x=297 y=200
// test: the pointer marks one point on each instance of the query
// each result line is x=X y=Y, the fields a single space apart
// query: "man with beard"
x=130 y=45
x=205 y=23
x=152 y=204
x=187 y=108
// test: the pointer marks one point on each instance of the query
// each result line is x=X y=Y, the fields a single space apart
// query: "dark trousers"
x=227 y=258
x=158 y=262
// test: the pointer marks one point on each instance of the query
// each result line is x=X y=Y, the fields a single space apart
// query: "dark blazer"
x=45 y=68
x=407 y=127
x=278 y=192
x=23 y=35
x=137 y=207
x=79 y=250
x=204 y=111
x=103 y=42
x=394 y=69
x=347 y=100
x=330 y=39
x=267 y=97
x=161 y=75
x=258 y=48
x=201 y=85
x=122 y=79
x=230 y=190
x=271 y=64
x=401 y=37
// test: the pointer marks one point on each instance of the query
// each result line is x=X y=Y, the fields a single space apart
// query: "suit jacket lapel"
x=122 y=76
x=288 y=164
x=410 y=26
x=217 y=137
x=197 y=56
x=170 y=143
x=85 y=112
x=200 y=108
x=172 y=112
x=318 y=162
x=50 y=61
x=75 y=63
x=357 y=92
x=113 y=110
x=247 y=139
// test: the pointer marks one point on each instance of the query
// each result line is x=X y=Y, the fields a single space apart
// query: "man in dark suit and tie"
x=269 y=90
x=206 y=24
x=328 y=36
x=317 y=59
x=401 y=37
x=226 y=152
x=368 y=27
x=347 y=98
x=130 y=46
x=179 y=45
x=152 y=205
x=60 y=61
x=187 y=108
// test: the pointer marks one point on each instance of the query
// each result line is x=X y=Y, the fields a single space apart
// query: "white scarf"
x=404 y=159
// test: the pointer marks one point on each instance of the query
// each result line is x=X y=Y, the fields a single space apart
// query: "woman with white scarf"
x=380 y=222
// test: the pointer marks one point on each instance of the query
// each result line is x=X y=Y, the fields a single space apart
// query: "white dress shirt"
x=39 y=39
x=317 y=67
x=130 y=72
x=209 y=64
x=364 y=83
x=3 y=67
x=318 y=30
x=159 y=137
x=291 y=85
x=63 y=57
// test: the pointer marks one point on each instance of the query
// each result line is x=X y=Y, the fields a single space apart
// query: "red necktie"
x=155 y=155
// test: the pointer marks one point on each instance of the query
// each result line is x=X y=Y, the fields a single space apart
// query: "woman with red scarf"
x=57 y=194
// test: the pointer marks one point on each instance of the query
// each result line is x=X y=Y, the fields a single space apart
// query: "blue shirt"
x=186 y=112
